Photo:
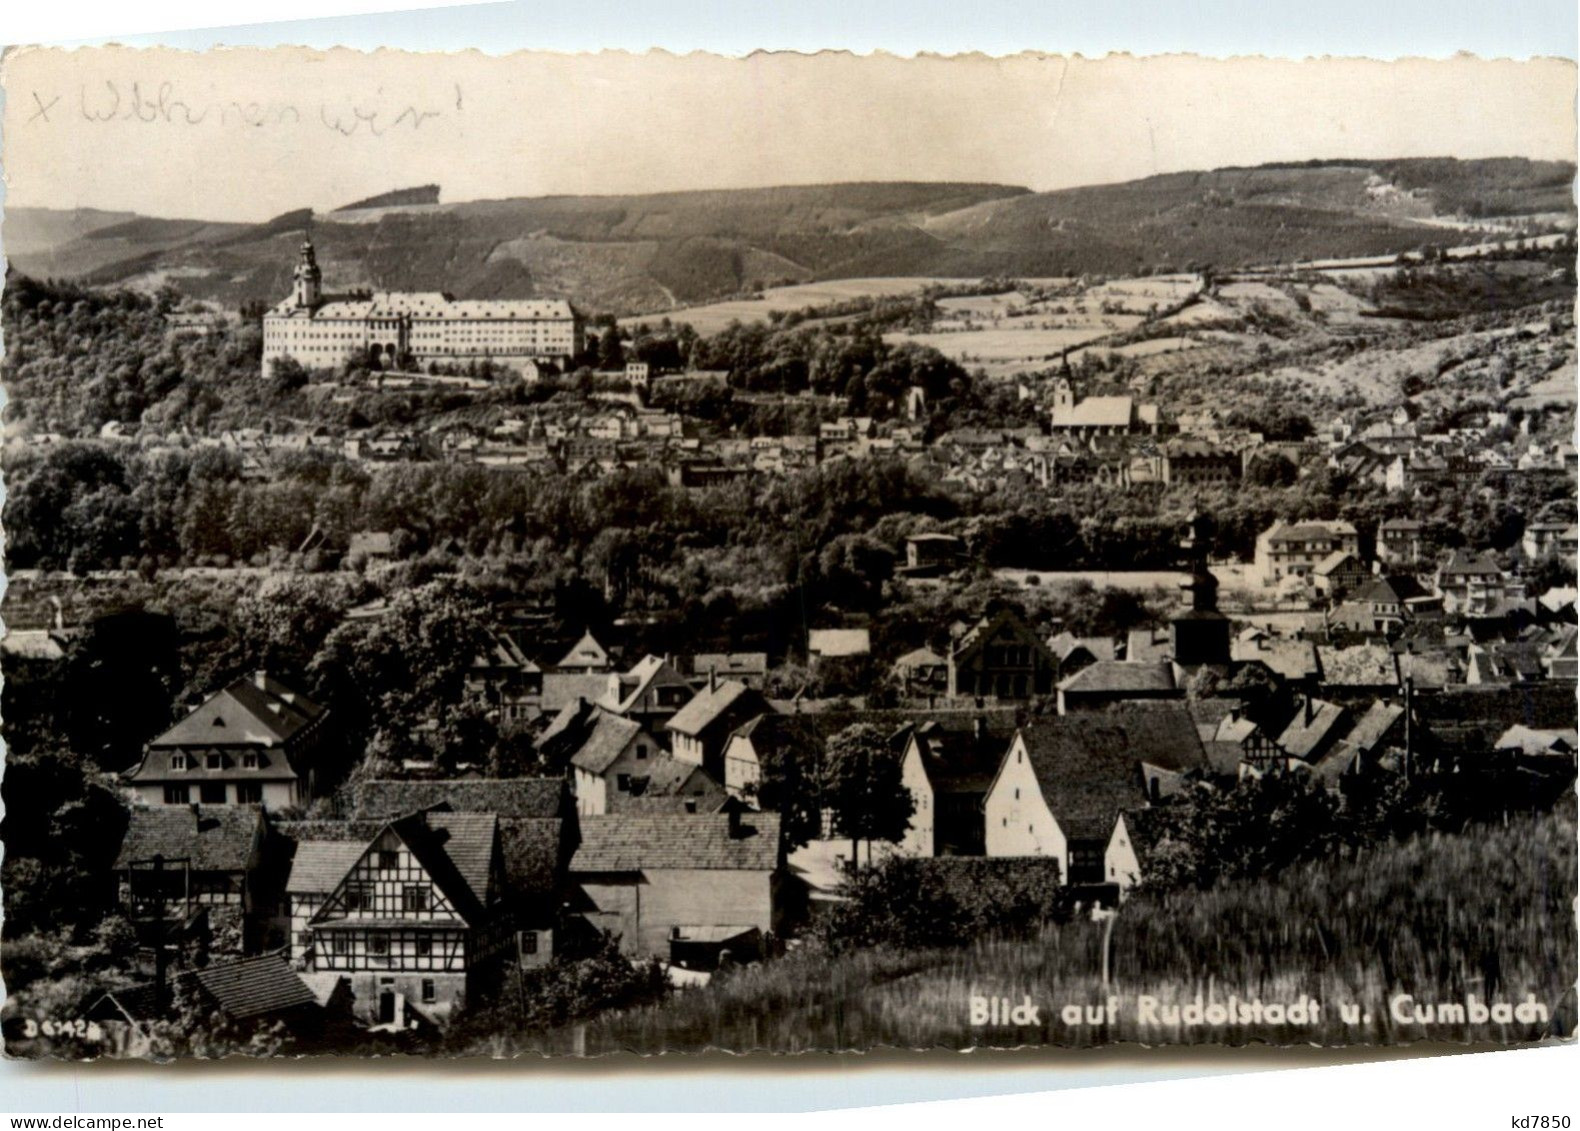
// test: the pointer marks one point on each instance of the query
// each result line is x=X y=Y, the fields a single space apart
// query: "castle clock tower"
x=308 y=278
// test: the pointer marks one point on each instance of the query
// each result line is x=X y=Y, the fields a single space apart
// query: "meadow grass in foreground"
x=1484 y=914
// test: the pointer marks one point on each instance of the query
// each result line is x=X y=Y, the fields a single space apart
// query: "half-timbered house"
x=417 y=923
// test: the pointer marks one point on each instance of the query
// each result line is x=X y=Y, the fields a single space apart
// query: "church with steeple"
x=410 y=329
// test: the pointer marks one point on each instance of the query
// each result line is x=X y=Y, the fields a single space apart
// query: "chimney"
x=260 y=679
x=713 y=677
x=1308 y=710
x=979 y=727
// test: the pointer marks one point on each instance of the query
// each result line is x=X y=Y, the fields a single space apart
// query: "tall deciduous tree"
x=863 y=787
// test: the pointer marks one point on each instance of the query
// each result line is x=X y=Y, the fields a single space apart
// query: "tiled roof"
x=630 y=842
x=730 y=663
x=1293 y=659
x=1466 y=562
x=1062 y=645
x=960 y=757
x=505 y=797
x=706 y=706
x=320 y=865
x=532 y=850
x=216 y=838
x=244 y=713
x=245 y=988
x=586 y=653
x=1308 y=737
x=1117 y=676
x=1360 y=665
x=1089 y=766
x=603 y=740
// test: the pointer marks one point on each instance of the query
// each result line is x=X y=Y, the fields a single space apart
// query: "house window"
x=176 y=795
x=178 y=761
x=214 y=762
x=249 y=793
x=641 y=751
x=379 y=946
x=529 y=942
x=424 y=946
x=212 y=792
x=623 y=782
x=249 y=761
x=414 y=898
x=358 y=898
x=389 y=860
x=339 y=945
x=429 y=993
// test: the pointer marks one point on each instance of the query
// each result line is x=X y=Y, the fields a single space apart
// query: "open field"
x=715 y=316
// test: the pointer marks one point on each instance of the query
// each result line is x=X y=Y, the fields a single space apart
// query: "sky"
x=249 y=133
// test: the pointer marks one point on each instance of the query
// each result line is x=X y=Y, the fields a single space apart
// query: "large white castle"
x=320 y=331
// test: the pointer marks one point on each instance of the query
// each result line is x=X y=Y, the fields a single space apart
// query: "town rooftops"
x=1315 y=725
x=633 y=842
x=506 y=797
x=217 y=838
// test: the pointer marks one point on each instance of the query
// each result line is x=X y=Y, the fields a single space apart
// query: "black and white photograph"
x=573 y=554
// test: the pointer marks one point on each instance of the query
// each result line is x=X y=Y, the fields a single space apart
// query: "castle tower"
x=308 y=279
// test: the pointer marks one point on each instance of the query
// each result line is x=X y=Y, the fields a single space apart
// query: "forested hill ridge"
x=650 y=253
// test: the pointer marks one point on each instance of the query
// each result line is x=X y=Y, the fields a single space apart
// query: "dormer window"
x=214 y=762
x=249 y=761
x=178 y=761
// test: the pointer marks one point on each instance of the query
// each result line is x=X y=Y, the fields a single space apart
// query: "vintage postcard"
x=571 y=554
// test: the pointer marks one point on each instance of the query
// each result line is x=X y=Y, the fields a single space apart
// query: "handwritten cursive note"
x=164 y=103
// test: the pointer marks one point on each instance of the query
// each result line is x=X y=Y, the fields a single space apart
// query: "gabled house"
x=947 y=768
x=1399 y=541
x=652 y=691
x=685 y=888
x=922 y=674
x=175 y=860
x=261 y=990
x=607 y=755
x=1065 y=779
x=1472 y=584
x=1000 y=657
x=586 y=656
x=750 y=668
x=253 y=743
x=1131 y=846
x=932 y=555
x=1295 y=549
x=1339 y=573
x=418 y=923
x=1110 y=682
x=700 y=730
x=506 y=681
x=1077 y=652
x=768 y=738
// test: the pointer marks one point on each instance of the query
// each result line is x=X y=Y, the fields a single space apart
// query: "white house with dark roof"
x=681 y=887
x=586 y=656
x=252 y=743
x=1065 y=779
x=701 y=729
x=607 y=754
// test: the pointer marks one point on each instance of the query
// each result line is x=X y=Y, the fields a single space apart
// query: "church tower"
x=308 y=278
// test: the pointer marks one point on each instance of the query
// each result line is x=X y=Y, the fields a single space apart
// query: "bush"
x=947 y=901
